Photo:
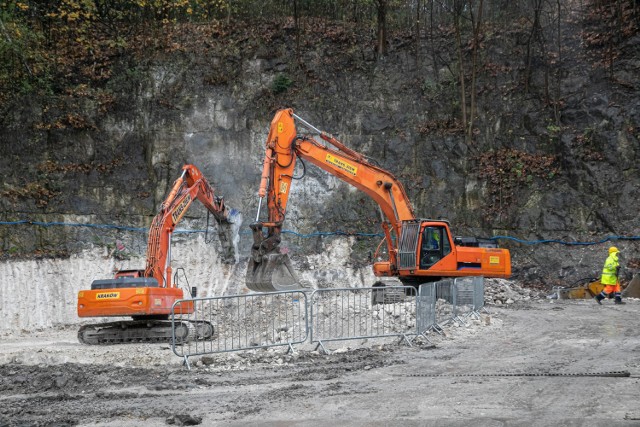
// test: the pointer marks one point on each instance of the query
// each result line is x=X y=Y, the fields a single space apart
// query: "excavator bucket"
x=275 y=273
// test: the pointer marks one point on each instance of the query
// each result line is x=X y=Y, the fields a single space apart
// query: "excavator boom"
x=419 y=250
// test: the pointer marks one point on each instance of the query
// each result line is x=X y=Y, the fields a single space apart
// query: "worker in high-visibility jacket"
x=609 y=277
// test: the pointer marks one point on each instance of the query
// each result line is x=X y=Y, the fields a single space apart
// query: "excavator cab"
x=435 y=245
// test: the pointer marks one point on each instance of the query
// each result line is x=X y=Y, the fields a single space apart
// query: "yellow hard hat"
x=613 y=249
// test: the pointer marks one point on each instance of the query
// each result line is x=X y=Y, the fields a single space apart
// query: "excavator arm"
x=190 y=186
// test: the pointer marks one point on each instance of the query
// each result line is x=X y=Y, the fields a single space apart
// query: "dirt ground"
x=501 y=370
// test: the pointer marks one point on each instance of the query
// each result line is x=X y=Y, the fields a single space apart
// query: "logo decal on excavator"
x=347 y=167
x=181 y=209
x=280 y=127
x=494 y=260
x=283 y=187
x=108 y=295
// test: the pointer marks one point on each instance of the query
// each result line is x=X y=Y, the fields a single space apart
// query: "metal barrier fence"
x=426 y=313
x=239 y=322
x=448 y=300
x=357 y=313
x=244 y=322
x=445 y=301
x=468 y=298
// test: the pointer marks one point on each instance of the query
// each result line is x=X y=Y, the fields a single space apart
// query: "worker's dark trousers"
x=602 y=295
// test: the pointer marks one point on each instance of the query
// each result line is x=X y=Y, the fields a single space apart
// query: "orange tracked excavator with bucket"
x=147 y=296
x=418 y=250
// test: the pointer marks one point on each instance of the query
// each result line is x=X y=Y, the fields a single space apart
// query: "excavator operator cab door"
x=434 y=246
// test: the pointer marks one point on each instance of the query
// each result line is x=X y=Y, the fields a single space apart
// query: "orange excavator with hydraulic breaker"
x=418 y=250
x=147 y=296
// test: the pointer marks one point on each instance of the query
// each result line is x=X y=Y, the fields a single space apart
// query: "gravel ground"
x=476 y=374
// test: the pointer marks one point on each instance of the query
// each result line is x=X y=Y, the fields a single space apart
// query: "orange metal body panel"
x=129 y=302
x=470 y=261
x=493 y=263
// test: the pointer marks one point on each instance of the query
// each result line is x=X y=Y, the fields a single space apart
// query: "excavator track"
x=143 y=331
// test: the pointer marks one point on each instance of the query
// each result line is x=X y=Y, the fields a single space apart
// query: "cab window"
x=435 y=245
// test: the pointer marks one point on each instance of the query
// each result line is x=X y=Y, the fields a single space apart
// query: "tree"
x=458 y=7
x=476 y=22
x=381 y=40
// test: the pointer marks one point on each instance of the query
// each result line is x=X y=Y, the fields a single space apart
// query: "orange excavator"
x=147 y=296
x=418 y=250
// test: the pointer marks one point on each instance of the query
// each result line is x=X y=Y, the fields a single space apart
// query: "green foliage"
x=281 y=84
x=23 y=63
x=553 y=129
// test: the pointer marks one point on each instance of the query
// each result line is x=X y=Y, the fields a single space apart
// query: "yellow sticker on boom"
x=280 y=127
x=283 y=187
x=345 y=166
x=494 y=260
x=181 y=209
x=107 y=295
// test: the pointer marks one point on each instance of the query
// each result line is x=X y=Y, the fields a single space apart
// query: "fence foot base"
x=460 y=320
x=185 y=362
x=424 y=335
x=437 y=329
x=404 y=338
x=320 y=345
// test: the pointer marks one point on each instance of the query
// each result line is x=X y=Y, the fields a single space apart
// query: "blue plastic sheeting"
x=562 y=242
x=305 y=236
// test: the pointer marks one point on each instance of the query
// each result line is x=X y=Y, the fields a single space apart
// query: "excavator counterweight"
x=418 y=250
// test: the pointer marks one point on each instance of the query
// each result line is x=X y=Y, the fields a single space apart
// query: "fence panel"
x=240 y=322
x=426 y=309
x=357 y=313
x=445 y=301
x=468 y=295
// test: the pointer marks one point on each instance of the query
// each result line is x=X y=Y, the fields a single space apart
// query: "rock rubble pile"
x=502 y=291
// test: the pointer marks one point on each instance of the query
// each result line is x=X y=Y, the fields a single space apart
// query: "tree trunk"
x=417 y=34
x=434 y=56
x=296 y=24
x=556 y=109
x=474 y=60
x=381 y=46
x=463 y=98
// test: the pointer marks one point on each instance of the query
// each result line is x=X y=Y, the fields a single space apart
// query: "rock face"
x=119 y=170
